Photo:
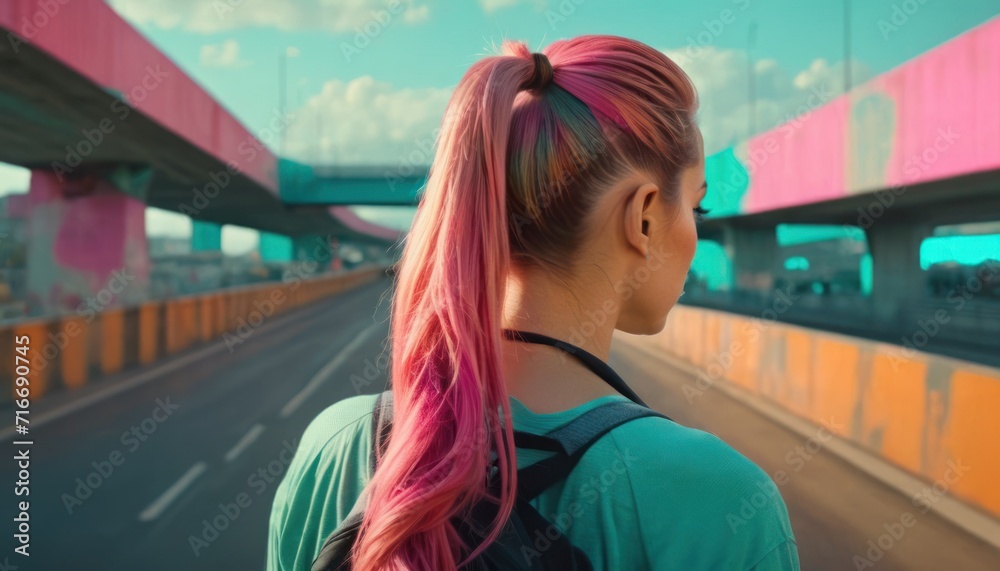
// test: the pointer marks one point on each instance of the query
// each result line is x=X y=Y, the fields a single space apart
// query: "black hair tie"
x=542 y=75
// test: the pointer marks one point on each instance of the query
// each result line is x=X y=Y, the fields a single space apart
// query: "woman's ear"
x=639 y=216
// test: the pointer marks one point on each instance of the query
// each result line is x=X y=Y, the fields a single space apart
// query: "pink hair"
x=613 y=103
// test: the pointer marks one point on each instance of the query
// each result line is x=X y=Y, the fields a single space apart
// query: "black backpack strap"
x=569 y=442
x=574 y=438
x=381 y=427
x=336 y=549
x=537 y=442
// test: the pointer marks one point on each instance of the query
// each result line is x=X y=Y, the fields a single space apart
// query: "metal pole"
x=751 y=81
x=320 y=151
x=847 y=46
x=282 y=88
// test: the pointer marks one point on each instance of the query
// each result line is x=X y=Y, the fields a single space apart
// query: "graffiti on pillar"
x=936 y=452
x=728 y=181
x=872 y=131
x=87 y=248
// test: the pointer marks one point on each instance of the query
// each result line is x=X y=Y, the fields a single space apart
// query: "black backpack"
x=528 y=541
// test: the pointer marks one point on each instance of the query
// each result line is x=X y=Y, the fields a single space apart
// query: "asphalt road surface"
x=134 y=480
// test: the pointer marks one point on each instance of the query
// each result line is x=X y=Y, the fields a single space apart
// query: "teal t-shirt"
x=650 y=494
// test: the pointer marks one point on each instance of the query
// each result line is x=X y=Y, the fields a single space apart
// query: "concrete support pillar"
x=897 y=278
x=86 y=245
x=754 y=252
x=206 y=236
x=320 y=249
x=275 y=248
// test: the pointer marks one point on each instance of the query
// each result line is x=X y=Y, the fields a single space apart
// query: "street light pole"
x=847 y=46
x=282 y=88
x=751 y=80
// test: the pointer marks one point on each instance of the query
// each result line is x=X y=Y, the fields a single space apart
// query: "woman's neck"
x=544 y=378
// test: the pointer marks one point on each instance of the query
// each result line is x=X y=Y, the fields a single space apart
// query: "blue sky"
x=375 y=103
x=435 y=51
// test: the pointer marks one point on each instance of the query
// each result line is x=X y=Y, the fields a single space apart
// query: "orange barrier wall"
x=937 y=417
x=68 y=352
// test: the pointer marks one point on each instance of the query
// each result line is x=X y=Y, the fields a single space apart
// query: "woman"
x=558 y=179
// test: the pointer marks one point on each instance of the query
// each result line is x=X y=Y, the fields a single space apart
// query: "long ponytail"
x=446 y=370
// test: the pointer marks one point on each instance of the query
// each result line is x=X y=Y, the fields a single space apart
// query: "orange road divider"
x=70 y=351
x=933 y=416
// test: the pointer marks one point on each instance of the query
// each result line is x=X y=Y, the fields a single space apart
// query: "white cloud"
x=226 y=54
x=161 y=222
x=365 y=121
x=13 y=179
x=398 y=217
x=494 y=5
x=821 y=72
x=239 y=240
x=236 y=240
x=722 y=79
x=219 y=15
x=416 y=14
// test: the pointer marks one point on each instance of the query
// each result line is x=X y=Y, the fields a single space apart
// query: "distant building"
x=13 y=255
x=13 y=217
x=166 y=246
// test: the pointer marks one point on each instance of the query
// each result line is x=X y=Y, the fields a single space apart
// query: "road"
x=132 y=480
